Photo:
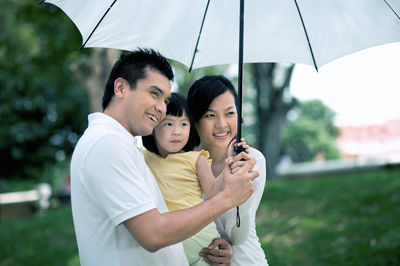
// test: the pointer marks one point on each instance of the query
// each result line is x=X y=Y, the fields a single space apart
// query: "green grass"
x=47 y=239
x=344 y=220
x=350 y=219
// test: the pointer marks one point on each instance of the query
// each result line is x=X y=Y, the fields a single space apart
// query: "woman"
x=212 y=102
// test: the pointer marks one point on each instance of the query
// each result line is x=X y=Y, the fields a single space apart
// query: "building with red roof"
x=371 y=141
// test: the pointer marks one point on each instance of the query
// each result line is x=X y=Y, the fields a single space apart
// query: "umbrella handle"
x=237 y=217
x=238 y=149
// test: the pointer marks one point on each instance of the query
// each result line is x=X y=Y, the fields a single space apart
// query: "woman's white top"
x=246 y=245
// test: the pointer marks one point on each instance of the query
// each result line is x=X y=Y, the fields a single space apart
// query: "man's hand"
x=219 y=252
x=238 y=186
x=238 y=161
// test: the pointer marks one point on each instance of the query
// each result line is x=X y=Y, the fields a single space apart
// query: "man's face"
x=145 y=106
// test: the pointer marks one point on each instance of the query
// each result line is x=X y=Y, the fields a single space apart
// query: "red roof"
x=370 y=140
x=371 y=133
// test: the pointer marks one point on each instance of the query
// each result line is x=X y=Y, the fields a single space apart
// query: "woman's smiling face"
x=218 y=126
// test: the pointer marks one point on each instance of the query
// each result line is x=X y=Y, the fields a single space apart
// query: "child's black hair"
x=177 y=106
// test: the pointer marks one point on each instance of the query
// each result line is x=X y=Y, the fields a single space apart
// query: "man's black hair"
x=132 y=67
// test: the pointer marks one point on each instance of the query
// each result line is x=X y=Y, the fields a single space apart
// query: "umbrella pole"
x=240 y=86
x=240 y=71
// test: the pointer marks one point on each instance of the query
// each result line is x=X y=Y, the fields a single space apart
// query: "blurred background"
x=331 y=140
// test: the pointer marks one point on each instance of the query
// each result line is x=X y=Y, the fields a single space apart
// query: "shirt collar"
x=106 y=120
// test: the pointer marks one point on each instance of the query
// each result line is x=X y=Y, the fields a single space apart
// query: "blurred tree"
x=93 y=71
x=43 y=110
x=272 y=103
x=183 y=79
x=311 y=133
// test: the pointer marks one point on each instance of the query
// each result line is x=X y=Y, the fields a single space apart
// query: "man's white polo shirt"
x=110 y=183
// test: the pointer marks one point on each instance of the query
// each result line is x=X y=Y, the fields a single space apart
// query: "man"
x=120 y=217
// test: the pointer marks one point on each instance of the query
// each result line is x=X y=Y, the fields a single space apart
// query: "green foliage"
x=335 y=220
x=43 y=111
x=311 y=132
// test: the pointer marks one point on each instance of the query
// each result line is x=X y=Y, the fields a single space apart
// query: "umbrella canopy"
x=310 y=32
x=203 y=33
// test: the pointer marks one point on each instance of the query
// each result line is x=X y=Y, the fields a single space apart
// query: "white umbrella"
x=274 y=30
x=203 y=33
x=310 y=32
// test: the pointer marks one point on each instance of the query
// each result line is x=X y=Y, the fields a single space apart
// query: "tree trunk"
x=93 y=72
x=271 y=82
x=272 y=127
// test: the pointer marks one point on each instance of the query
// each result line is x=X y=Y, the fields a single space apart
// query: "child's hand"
x=242 y=143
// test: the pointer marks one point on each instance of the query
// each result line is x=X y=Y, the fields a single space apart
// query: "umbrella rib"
x=98 y=23
x=198 y=37
x=305 y=31
x=392 y=9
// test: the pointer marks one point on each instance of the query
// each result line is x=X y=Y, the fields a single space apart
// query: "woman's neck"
x=218 y=157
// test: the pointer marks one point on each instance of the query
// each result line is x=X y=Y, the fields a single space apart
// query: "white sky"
x=362 y=88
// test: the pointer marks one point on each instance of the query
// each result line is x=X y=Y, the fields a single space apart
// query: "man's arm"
x=154 y=230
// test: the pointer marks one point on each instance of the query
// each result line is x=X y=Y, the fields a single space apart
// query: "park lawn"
x=349 y=219
x=47 y=239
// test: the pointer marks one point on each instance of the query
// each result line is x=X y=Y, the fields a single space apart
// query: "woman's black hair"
x=177 y=106
x=202 y=93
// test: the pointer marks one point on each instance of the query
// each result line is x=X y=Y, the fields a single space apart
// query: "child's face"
x=172 y=134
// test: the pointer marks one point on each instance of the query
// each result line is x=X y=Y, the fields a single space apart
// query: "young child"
x=182 y=175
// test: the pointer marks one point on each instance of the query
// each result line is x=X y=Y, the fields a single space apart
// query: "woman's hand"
x=239 y=158
x=219 y=252
x=242 y=143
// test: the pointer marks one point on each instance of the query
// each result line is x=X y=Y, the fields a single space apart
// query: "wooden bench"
x=21 y=204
